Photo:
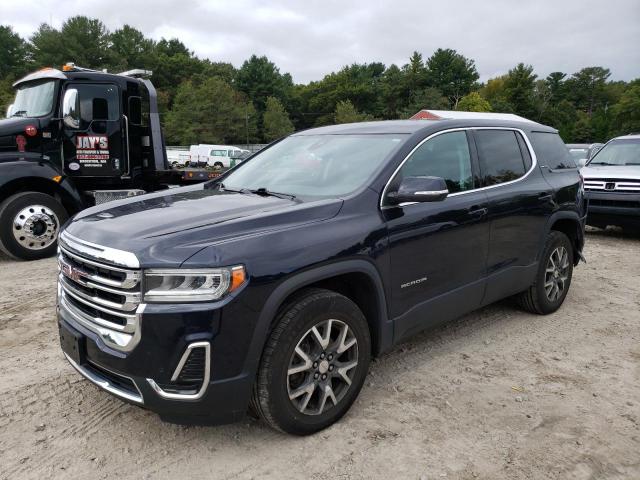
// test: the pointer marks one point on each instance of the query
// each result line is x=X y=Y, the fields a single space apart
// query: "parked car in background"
x=273 y=285
x=612 y=184
x=217 y=156
x=582 y=152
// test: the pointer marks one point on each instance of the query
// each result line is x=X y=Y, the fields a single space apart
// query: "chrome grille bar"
x=103 y=297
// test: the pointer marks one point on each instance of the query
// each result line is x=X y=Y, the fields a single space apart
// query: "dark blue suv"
x=270 y=288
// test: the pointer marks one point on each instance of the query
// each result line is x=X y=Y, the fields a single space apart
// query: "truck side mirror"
x=582 y=162
x=71 y=109
x=10 y=110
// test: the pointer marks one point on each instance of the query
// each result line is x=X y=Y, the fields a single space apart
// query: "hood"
x=168 y=227
x=10 y=127
x=623 y=172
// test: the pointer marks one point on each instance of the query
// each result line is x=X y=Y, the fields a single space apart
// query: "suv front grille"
x=612 y=185
x=102 y=297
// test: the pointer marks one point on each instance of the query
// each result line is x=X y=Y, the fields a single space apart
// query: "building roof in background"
x=455 y=115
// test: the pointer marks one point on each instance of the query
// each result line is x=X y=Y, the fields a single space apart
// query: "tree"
x=588 y=88
x=46 y=47
x=85 y=41
x=131 y=49
x=626 y=114
x=415 y=75
x=259 y=79
x=13 y=51
x=473 y=102
x=519 y=86
x=347 y=113
x=451 y=73
x=276 y=120
x=210 y=112
x=427 y=98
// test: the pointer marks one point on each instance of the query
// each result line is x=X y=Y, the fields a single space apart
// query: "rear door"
x=96 y=148
x=520 y=202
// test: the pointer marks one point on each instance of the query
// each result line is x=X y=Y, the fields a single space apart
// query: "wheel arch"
x=358 y=280
x=65 y=193
x=571 y=225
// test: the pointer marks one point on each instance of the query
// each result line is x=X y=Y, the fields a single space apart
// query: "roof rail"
x=137 y=73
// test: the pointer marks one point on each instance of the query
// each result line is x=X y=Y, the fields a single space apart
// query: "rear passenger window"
x=551 y=151
x=445 y=156
x=500 y=156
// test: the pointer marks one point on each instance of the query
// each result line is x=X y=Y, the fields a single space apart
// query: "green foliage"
x=276 y=120
x=473 y=102
x=451 y=73
x=346 y=113
x=207 y=101
x=626 y=114
x=210 y=112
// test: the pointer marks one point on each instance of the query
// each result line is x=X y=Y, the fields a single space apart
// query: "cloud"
x=312 y=38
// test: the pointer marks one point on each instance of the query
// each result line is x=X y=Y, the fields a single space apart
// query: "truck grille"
x=612 y=185
x=104 y=298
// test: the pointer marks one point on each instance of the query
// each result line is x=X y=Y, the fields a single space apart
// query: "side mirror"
x=419 y=189
x=10 y=110
x=582 y=162
x=70 y=109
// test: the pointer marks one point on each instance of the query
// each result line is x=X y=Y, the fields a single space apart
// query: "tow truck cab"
x=73 y=138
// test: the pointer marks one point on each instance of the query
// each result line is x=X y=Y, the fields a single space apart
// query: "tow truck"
x=74 y=138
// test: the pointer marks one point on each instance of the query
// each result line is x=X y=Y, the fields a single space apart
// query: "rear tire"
x=29 y=225
x=218 y=165
x=314 y=363
x=553 y=278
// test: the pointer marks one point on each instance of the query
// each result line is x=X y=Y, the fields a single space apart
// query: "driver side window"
x=446 y=156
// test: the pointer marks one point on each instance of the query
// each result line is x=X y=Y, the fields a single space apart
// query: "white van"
x=220 y=156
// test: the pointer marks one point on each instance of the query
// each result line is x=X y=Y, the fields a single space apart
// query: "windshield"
x=33 y=99
x=579 y=153
x=618 y=152
x=315 y=165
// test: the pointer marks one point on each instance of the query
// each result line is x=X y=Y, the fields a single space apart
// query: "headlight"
x=191 y=285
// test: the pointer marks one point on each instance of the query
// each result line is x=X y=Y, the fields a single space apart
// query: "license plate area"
x=72 y=343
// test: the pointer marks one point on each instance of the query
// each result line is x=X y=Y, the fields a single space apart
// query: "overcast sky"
x=310 y=38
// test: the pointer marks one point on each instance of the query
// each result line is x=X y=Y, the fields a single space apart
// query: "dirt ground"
x=497 y=394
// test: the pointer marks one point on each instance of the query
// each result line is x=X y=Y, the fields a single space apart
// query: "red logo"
x=21 y=142
x=31 y=131
x=71 y=272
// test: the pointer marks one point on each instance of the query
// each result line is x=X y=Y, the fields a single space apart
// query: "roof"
x=413 y=126
x=42 y=74
x=453 y=114
x=631 y=136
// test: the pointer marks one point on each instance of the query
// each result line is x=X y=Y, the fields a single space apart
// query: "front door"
x=438 y=249
x=94 y=146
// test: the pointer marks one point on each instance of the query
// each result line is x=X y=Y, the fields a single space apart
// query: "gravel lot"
x=497 y=394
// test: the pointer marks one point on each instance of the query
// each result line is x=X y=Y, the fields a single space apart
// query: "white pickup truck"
x=217 y=156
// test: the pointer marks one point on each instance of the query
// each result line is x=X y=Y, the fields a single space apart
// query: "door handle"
x=477 y=212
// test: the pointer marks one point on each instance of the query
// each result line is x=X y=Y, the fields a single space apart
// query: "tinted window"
x=446 y=156
x=552 y=152
x=500 y=156
x=98 y=102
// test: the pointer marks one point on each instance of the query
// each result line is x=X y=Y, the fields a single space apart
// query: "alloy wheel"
x=321 y=367
x=35 y=227
x=556 y=274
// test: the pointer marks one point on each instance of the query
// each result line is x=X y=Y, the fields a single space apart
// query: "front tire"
x=314 y=364
x=29 y=225
x=553 y=278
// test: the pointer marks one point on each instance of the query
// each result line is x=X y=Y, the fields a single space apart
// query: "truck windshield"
x=618 y=152
x=33 y=99
x=315 y=165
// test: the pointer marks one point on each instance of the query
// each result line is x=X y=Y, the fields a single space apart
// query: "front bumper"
x=609 y=208
x=141 y=376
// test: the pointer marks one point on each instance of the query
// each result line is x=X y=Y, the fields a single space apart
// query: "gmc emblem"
x=71 y=272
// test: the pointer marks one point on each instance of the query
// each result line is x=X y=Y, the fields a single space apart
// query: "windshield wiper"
x=19 y=113
x=632 y=163
x=268 y=193
x=601 y=163
x=264 y=192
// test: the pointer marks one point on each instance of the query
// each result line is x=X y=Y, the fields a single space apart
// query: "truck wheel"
x=553 y=279
x=29 y=225
x=314 y=363
x=218 y=165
